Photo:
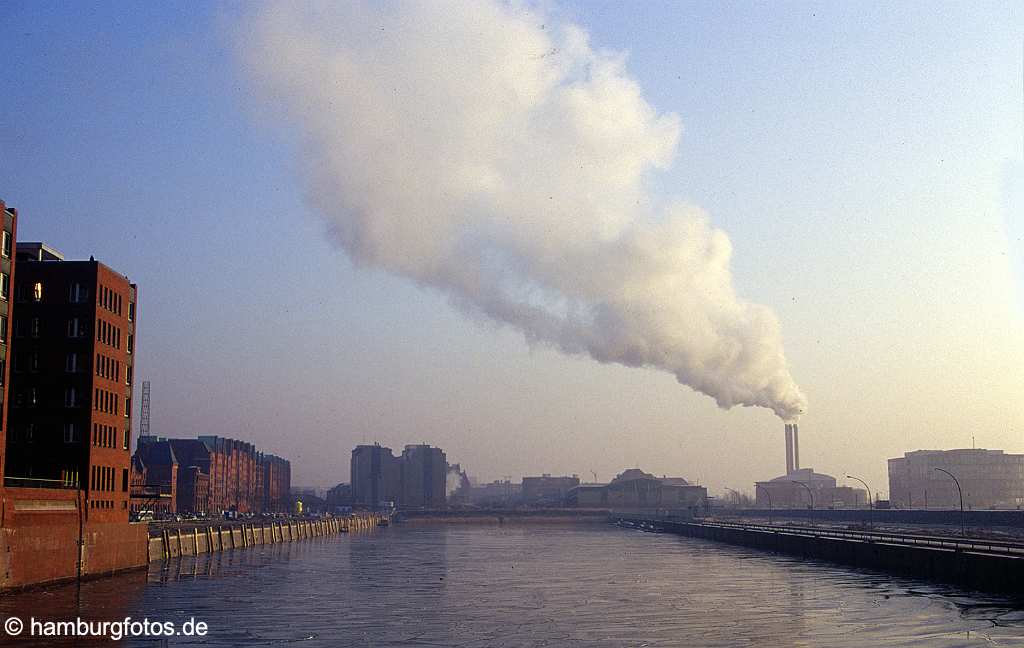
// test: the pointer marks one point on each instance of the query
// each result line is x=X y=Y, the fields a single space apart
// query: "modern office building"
x=72 y=356
x=424 y=472
x=376 y=476
x=987 y=478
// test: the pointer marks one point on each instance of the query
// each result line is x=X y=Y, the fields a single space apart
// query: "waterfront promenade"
x=979 y=563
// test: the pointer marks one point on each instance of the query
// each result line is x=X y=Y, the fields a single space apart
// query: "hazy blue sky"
x=864 y=159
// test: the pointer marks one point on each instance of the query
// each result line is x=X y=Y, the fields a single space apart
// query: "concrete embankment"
x=974 y=564
x=191 y=539
x=505 y=516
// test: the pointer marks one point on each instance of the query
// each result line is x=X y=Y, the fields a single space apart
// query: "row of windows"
x=111 y=301
x=108 y=367
x=104 y=436
x=108 y=402
x=33 y=292
x=108 y=334
x=21 y=329
x=102 y=478
x=78 y=293
x=105 y=401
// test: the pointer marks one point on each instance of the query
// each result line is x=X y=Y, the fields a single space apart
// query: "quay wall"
x=194 y=539
x=45 y=537
x=969 y=569
x=887 y=516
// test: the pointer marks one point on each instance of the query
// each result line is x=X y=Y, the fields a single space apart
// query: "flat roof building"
x=73 y=352
x=988 y=479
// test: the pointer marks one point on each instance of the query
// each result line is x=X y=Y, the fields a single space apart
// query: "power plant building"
x=988 y=479
x=802 y=487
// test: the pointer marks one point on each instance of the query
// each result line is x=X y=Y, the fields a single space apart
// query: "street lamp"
x=769 y=495
x=961 y=493
x=809 y=492
x=736 y=493
x=870 y=503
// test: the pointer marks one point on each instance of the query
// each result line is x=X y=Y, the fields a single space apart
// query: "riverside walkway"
x=976 y=563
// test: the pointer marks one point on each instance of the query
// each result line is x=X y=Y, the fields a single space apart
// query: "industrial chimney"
x=789 y=448
x=796 y=448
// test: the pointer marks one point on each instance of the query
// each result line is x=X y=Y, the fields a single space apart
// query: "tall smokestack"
x=789 y=448
x=796 y=448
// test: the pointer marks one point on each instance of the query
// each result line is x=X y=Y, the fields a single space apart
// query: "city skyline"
x=871 y=188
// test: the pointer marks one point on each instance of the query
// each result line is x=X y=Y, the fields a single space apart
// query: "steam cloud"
x=491 y=153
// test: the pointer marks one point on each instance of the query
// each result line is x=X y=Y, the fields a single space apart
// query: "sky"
x=306 y=285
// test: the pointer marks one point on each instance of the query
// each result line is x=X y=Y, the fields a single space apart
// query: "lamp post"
x=769 y=496
x=870 y=504
x=959 y=492
x=809 y=492
x=739 y=498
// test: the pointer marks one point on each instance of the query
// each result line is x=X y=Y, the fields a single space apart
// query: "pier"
x=974 y=563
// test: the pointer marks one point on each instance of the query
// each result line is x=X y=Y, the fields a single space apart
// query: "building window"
x=5 y=285
x=71 y=364
x=127 y=407
x=71 y=433
x=34 y=332
x=3 y=329
x=5 y=247
x=131 y=311
x=37 y=291
x=128 y=374
x=127 y=435
x=131 y=343
x=33 y=397
x=78 y=293
x=76 y=328
x=71 y=397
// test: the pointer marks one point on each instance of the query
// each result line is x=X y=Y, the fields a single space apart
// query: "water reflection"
x=518 y=586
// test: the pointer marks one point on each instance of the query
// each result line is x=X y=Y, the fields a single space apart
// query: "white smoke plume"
x=453 y=481
x=486 y=151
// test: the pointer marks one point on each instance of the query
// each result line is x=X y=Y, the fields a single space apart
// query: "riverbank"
x=974 y=563
x=505 y=516
x=191 y=539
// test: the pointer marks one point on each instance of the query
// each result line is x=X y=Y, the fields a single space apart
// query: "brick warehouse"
x=61 y=517
x=216 y=474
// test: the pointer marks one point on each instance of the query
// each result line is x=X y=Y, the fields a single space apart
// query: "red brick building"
x=9 y=225
x=72 y=351
x=276 y=484
x=217 y=474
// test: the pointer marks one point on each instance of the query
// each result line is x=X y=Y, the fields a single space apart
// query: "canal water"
x=537 y=585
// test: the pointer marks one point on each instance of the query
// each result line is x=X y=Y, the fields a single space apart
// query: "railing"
x=33 y=482
x=941 y=542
